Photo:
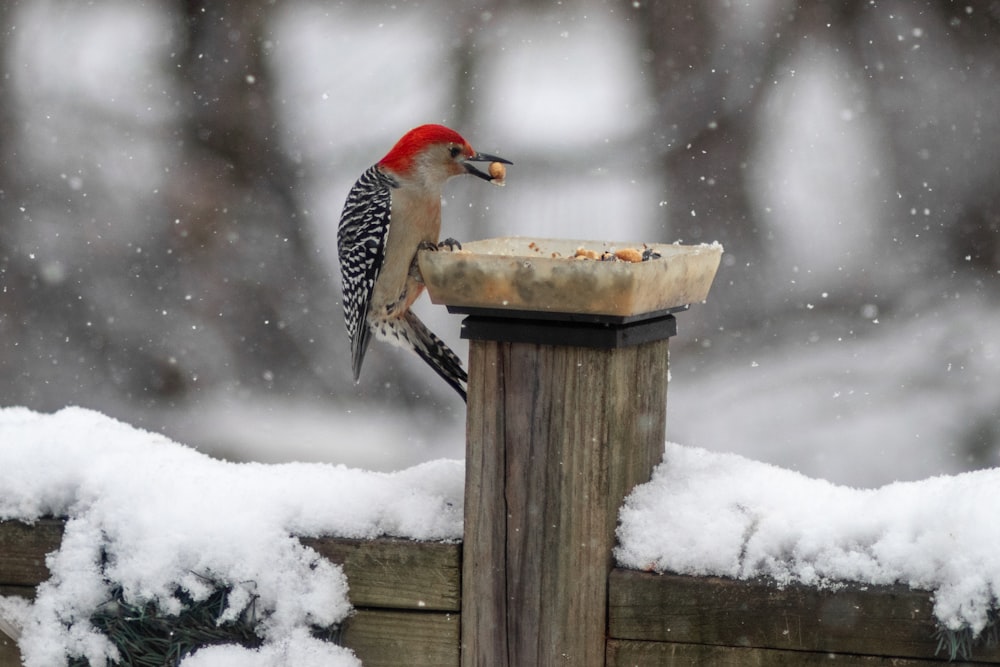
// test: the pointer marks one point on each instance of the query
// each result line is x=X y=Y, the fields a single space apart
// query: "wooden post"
x=564 y=419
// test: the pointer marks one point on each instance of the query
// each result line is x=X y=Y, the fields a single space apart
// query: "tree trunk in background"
x=39 y=314
x=704 y=138
x=238 y=230
x=971 y=210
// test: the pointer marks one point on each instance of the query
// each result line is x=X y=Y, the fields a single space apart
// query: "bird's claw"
x=448 y=244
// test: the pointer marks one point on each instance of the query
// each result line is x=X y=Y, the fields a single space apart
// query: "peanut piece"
x=629 y=255
x=498 y=172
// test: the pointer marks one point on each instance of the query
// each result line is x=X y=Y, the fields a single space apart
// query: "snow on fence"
x=405 y=594
x=408 y=611
x=565 y=419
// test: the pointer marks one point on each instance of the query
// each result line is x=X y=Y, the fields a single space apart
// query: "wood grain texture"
x=625 y=653
x=22 y=591
x=557 y=436
x=396 y=574
x=393 y=638
x=10 y=656
x=875 y=620
x=383 y=572
x=378 y=638
x=23 y=548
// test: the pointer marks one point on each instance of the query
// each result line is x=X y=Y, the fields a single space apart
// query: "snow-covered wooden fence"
x=406 y=594
x=409 y=611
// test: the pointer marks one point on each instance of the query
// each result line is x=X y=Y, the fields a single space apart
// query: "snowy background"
x=173 y=174
x=171 y=179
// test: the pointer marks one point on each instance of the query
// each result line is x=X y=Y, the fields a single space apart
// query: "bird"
x=391 y=212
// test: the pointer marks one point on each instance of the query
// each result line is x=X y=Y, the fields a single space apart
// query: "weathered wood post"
x=557 y=436
x=566 y=414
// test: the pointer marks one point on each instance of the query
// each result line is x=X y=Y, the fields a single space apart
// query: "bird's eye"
x=456 y=151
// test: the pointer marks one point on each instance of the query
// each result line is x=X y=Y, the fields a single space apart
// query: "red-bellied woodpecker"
x=391 y=212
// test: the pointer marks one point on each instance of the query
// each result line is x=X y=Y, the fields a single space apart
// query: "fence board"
x=393 y=638
x=23 y=591
x=383 y=572
x=9 y=655
x=379 y=638
x=397 y=574
x=878 y=620
x=23 y=548
x=625 y=653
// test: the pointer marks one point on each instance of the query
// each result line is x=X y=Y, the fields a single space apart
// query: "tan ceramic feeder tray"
x=530 y=274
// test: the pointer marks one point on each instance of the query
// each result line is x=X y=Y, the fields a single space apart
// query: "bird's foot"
x=448 y=244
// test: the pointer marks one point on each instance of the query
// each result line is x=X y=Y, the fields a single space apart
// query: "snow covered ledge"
x=775 y=565
x=165 y=525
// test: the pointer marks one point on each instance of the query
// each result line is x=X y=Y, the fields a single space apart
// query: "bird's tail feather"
x=409 y=331
x=359 y=346
x=437 y=355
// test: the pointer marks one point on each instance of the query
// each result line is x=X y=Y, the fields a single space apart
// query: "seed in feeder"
x=649 y=254
x=583 y=253
x=498 y=173
x=629 y=255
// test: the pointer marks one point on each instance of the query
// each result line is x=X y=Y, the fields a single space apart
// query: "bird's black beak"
x=482 y=157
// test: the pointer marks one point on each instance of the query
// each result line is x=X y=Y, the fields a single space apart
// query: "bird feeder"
x=566 y=414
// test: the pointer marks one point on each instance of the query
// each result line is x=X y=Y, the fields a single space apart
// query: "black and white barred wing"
x=364 y=227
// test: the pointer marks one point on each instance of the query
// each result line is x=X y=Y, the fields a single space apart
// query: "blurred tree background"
x=172 y=175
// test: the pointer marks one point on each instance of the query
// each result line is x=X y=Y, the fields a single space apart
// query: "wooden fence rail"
x=408 y=611
x=406 y=594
